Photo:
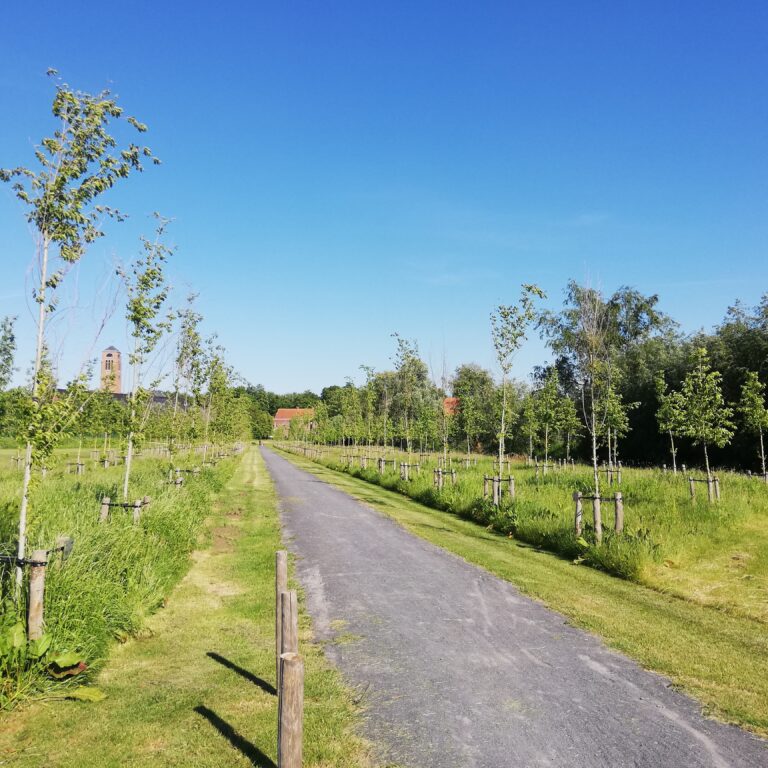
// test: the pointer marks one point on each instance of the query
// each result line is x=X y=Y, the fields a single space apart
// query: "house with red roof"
x=285 y=416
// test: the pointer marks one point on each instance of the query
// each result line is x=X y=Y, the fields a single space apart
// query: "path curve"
x=459 y=669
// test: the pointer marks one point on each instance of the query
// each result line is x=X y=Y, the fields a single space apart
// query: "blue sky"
x=339 y=171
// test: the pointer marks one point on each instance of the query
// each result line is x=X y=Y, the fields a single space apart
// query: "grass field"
x=196 y=688
x=117 y=574
x=718 y=656
x=713 y=554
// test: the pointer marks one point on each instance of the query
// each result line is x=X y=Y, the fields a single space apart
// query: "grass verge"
x=197 y=688
x=720 y=659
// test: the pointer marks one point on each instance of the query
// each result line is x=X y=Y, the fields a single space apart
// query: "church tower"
x=111 y=373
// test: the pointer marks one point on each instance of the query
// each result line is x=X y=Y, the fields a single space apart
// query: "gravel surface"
x=457 y=668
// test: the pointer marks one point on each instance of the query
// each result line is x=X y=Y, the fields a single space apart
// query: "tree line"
x=623 y=383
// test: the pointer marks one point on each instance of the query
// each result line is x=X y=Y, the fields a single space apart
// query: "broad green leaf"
x=39 y=647
x=17 y=636
x=66 y=660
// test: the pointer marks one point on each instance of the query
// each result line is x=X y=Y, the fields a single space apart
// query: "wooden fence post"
x=289 y=622
x=485 y=486
x=579 y=512
x=709 y=489
x=496 y=491
x=136 y=511
x=511 y=481
x=104 y=513
x=717 y=488
x=598 y=521
x=281 y=585
x=618 y=501
x=290 y=724
x=692 y=487
x=35 y=608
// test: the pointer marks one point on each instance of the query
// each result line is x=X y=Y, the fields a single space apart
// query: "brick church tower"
x=111 y=373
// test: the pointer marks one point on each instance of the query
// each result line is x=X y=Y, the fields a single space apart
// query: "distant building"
x=451 y=406
x=111 y=371
x=284 y=416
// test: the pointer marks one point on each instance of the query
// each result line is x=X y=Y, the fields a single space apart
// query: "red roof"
x=284 y=415
x=451 y=406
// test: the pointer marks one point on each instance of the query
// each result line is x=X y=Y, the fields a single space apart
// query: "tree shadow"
x=251 y=751
x=263 y=684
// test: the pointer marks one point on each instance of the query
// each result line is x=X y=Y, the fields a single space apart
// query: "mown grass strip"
x=720 y=659
x=198 y=689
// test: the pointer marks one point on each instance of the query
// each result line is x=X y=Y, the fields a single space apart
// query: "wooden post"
x=35 y=609
x=136 y=511
x=511 y=481
x=709 y=489
x=717 y=488
x=485 y=486
x=598 y=521
x=104 y=513
x=80 y=468
x=496 y=491
x=692 y=487
x=618 y=501
x=290 y=711
x=289 y=622
x=579 y=512
x=453 y=477
x=281 y=585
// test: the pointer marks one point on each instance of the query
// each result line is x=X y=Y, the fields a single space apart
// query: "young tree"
x=529 y=421
x=509 y=328
x=669 y=415
x=411 y=376
x=569 y=422
x=581 y=332
x=616 y=420
x=547 y=405
x=706 y=417
x=76 y=166
x=753 y=411
x=369 y=401
x=147 y=292
x=475 y=390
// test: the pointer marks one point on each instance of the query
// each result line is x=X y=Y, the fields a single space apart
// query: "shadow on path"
x=251 y=751
x=263 y=684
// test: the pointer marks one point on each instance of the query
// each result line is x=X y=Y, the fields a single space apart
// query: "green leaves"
x=85 y=693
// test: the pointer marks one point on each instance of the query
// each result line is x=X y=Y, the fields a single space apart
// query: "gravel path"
x=458 y=669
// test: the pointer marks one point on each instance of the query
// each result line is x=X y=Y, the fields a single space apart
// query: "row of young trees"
x=63 y=193
x=620 y=369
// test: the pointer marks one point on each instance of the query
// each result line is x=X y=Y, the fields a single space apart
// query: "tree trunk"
x=546 y=445
x=502 y=433
x=762 y=453
x=673 y=450
x=41 y=299
x=593 y=431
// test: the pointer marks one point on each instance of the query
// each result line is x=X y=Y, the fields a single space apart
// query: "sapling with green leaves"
x=547 y=404
x=509 y=329
x=616 y=420
x=75 y=167
x=669 y=415
x=753 y=412
x=706 y=416
x=569 y=422
x=147 y=292
x=369 y=401
x=410 y=372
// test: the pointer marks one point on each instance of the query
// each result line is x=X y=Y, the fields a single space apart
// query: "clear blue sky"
x=338 y=171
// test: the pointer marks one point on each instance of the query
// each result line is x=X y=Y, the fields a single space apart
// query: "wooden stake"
x=290 y=711
x=35 y=612
x=618 y=501
x=579 y=512
x=104 y=513
x=136 y=511
x=692 y=487
x=598 y=521
x=281 y=585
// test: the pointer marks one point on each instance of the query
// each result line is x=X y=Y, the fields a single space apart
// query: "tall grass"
x=715 y=554
x=115 y=576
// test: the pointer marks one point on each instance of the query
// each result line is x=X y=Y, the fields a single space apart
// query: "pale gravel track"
x=459 y=670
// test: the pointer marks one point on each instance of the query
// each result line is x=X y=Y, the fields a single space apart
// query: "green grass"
x=194 y=689
x=714 y=554
x=719 y=657
x=118 y=572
